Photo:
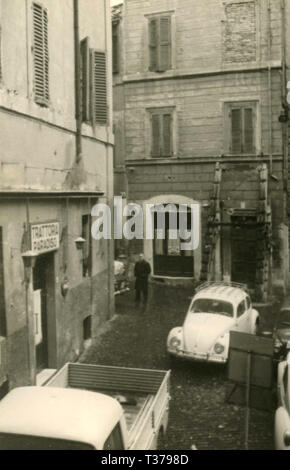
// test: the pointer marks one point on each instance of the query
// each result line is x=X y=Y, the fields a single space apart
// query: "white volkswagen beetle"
x=215 y=310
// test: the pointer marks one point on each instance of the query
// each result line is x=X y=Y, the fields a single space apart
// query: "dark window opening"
x=87 y=247
x=87 y=328
x=115 y=46
x=170 y=257
x=85 y=80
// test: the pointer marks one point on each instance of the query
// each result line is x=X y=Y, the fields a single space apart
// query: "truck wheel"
x=160 y=440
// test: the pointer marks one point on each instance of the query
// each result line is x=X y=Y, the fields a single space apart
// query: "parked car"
x=215 y=310
x=88 y=407
x=281 y=332
x=282 y=415
x=121 y=277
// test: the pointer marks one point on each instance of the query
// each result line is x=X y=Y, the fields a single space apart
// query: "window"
x=99 y=82
x=160 y=48
x=3 y=331
x=87 y=328
x=93 y=84
x=220 y=307
x=115 y=45
x=241 y=308
x=248 y=303
x=161 y=133
x=241 y=128
x=115 y=441
x=40 y=53
x=87 y=248
x=85 y=79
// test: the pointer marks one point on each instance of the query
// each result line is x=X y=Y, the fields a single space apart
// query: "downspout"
x=107 y=173
x=78 y=111
x=285 y=135
x=285 y=107
x=270 y=89
x=29 y=324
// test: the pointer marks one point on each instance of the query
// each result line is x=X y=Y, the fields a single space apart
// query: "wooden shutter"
x=165 y=44
x=153 y=45
x=115 y=46
x=236 y=119
x=99 y=70
x=85 y=60
x=41 y=57
x=156 y=135
x=167 y=135
x=248 y=131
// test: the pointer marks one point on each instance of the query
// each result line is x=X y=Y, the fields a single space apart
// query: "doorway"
x=43 y=295
x=168 y=257
x=244 y=233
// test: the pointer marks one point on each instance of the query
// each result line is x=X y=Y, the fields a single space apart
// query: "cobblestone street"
x=198 y=415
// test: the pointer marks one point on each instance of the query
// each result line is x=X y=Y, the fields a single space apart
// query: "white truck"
x=88 y=407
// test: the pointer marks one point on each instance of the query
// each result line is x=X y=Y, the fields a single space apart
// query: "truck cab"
x=87 y=407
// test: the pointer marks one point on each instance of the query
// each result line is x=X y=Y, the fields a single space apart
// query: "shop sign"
x=44 y=237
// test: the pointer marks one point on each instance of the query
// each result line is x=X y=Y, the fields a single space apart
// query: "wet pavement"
x=199 y=415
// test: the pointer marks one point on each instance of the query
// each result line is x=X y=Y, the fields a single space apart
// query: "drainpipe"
x=270 y=88
x=109 y=242
x=285 y=137
x=285 y=107
x=78 y=110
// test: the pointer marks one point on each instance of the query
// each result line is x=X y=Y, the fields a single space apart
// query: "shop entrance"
x=43 y=300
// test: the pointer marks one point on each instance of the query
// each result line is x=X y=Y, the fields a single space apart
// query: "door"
x=40 y=298
x=244 y=250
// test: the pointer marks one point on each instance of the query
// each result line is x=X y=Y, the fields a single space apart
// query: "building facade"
x=56 y=153
x=200 y=117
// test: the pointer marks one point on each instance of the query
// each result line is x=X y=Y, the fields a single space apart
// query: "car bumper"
x=196 y=356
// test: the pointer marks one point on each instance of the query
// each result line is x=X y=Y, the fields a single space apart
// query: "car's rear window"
x=219 y=307
x=19 y=442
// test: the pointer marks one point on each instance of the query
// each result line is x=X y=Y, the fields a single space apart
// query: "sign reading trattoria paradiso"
x=44 y=237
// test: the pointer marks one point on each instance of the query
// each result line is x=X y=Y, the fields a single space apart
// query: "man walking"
x=142 y=271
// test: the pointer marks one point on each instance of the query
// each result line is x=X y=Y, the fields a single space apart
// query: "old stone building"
x=200 y=105
x=56 y=162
